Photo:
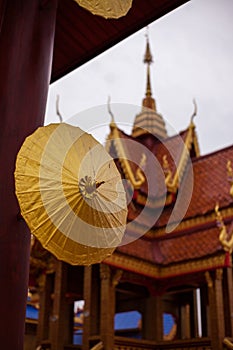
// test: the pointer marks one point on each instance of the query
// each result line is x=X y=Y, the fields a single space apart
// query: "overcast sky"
x=192 y=48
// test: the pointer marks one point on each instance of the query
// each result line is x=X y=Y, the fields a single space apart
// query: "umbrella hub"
x=88 y=186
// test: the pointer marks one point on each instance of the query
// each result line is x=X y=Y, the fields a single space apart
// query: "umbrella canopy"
x=70 y=194
x=107 y=8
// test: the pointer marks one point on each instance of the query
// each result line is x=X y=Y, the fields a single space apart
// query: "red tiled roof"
x=140 y=248
x=189 y=246
x=210 y=180
x=210 y=186
x=172 y=249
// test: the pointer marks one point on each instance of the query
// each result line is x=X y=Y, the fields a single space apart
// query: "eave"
x=81 y=36
x=148 y=269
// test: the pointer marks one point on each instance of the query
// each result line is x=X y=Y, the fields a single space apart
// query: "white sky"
x=192 y=49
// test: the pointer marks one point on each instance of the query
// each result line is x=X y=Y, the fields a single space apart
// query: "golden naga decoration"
x=142 y=164
x=167 y=171
x=225 y=238
x=138 y=179
x=230 y=176
x=172 y=181
x=107 y=8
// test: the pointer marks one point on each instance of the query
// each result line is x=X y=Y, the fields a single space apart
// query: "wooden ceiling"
x=80 y=36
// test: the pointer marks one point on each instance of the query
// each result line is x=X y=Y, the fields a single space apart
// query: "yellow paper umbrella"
x=107 y=8
x=70 y=194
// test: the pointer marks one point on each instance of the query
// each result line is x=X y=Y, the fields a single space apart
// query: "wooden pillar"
x=61 y=325
x=185 y=321
x=228 y=301
x=215 y=296
x=26 y=47
x=152 y=320
x=107 y=307
x=45 y=308
x=87 y=306
x=91 y=307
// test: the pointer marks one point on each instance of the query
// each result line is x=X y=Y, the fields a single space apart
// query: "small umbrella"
x=70 y=194
x=107 y=8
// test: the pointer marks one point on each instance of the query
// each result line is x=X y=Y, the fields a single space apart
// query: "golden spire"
x=148 y=59
x=148 y=101
x=149 y=120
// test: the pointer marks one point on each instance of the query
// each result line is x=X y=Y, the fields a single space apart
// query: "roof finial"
x=148 y=59
x=112 y=123
x=148 y=56
x=57 y=109
x=195 y=110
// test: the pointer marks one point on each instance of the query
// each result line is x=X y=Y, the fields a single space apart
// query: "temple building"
x=169 y=285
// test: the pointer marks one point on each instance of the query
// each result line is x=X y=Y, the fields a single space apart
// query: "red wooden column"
x=61 y=322
x=46 y=306
x=107 y=307
x=26 y=48
x=152 y=321
x=228 y=301
x=87 y=291
x=91 y=308
x=215 y=296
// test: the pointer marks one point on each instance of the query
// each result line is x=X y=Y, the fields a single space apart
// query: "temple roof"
x=164 y=173
x=197 y=238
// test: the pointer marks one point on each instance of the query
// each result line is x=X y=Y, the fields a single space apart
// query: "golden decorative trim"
x=139 y=179
x=196 y=144
x=129 y=263
x=167 y=171
x=230 y=176
x=116 y=277
x=174 y=184
x=226 y=242
x=115 y=137
x=208 y=279
x=156 y=202
x=190 y=223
